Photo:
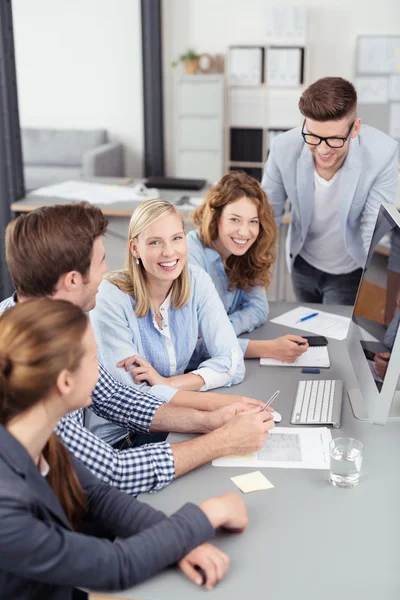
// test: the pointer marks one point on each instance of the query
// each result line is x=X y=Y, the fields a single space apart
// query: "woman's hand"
x=228 y=511
x=143 y=371
x=287 y=348
x=210 y=559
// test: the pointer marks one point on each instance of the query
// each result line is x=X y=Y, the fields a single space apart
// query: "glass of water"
x=346 y=458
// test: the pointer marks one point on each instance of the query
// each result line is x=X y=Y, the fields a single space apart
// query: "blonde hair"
x=132 y=279
x=255 y=266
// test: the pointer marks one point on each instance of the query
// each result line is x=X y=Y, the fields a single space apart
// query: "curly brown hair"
x=255 y=266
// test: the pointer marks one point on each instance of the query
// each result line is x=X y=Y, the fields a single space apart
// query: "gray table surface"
x=306 y=539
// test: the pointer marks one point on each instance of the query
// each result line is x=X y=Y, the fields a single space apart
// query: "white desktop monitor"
x=373 y=347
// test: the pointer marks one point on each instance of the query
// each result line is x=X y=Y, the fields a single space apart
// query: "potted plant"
x=190 y=59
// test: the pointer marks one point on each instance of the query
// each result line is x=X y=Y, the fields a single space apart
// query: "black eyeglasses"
x=332 y=142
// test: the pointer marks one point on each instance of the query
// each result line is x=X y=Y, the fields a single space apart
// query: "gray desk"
x=306 y=540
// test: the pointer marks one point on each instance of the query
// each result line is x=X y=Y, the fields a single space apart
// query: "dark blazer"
x=41 y=557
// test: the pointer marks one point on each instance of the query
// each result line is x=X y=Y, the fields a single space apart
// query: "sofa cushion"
x=36 y=177
x=59 y=146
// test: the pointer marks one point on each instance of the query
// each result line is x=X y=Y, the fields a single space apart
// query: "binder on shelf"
x=246 y=145
x=285 y=66
x=246 y=65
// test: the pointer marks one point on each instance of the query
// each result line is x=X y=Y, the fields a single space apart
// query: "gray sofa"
x=55 y=155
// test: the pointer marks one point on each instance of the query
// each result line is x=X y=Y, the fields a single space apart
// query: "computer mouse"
x=277 y=417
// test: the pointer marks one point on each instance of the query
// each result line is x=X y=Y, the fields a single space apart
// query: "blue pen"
x=307 y=317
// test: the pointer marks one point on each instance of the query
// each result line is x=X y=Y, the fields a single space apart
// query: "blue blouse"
x=246 y=310
x=120 y=333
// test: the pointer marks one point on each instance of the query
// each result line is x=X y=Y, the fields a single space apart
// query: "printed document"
x=328 y=324
x=287 y=448
x=315 y=356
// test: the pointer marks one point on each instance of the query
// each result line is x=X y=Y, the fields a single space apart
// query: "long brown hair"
x=132 y=280
x=38 y=339
x=255 y=266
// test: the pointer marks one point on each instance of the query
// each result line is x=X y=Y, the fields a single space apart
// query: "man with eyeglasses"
x=335 y=174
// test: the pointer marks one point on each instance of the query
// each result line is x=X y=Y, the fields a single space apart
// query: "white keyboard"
x=318 y=403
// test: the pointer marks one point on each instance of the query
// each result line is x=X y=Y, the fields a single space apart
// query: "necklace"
x=159 y=318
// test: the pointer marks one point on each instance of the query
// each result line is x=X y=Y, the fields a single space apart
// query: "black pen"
x=202 y=573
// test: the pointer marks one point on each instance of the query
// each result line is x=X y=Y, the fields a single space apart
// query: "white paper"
x=287 y=448
x=394 y=87
x=97 y=193
x=245 y=66
x=394 y=120
x=283 y=67
x=372 y=90
x=315 y=356
x=328 y=324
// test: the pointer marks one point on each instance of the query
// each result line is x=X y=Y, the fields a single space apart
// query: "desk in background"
x=306 y=540
x=118 y=215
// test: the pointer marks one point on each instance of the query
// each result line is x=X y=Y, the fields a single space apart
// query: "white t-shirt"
x=324 y=248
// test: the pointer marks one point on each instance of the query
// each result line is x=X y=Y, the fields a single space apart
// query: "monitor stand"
x=359 y=411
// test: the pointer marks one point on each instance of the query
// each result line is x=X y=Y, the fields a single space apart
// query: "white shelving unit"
x=256 y=112
x=199 y=143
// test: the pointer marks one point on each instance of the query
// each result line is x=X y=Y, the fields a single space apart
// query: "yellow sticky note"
x=252 y=482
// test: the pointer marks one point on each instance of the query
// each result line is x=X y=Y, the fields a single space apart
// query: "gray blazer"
x=41 y=557
x=368 y=179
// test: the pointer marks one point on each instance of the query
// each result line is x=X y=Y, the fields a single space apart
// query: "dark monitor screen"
x=376 y=311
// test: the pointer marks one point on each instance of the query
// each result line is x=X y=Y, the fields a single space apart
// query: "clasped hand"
x=143 y=371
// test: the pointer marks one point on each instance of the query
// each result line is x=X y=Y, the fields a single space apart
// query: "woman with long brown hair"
x=235 y=243
x=49 y=501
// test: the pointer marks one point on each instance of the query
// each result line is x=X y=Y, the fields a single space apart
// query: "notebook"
x=315 y=356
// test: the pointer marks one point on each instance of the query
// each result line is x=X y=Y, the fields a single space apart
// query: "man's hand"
x=381 y=363
x=215 y=400
x=210 y=559
x=218 y=418
x=143 y=371
x=288 y=347
x=246 y=432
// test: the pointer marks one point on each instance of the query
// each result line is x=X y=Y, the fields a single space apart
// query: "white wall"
x=212 y=25
x=79 y=65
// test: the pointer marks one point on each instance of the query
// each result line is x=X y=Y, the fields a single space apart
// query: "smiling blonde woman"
x=153 y=312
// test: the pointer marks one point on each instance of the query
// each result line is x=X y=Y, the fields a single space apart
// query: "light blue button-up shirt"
x=120 y=333
x=246 y=310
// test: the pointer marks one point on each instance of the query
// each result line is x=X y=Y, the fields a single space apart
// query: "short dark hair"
x=46 y=243
x=328 y=99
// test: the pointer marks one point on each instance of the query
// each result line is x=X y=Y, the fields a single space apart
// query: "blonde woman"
x=153 y=312
x=48 y=499
x=235 y=244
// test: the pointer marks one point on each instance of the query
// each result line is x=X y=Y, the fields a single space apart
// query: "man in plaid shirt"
x=58 y=252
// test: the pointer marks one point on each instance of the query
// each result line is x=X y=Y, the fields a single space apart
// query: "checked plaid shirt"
x=145 y=469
